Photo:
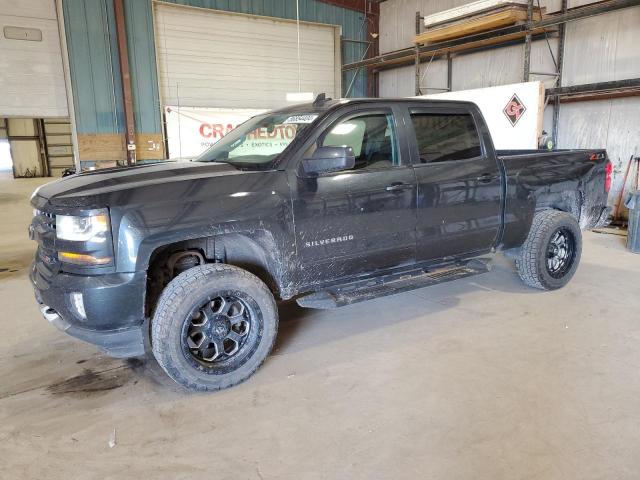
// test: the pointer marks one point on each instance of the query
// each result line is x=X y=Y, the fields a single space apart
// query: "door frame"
x=292 y=162
x=487 y=152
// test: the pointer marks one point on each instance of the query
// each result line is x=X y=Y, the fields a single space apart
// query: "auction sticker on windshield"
x=301 y=118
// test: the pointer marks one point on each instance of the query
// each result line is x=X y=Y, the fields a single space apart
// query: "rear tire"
x=551 y=253
x=214 y=326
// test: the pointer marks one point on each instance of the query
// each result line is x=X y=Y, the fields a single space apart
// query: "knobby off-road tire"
x=551 y=253
x=214 y=326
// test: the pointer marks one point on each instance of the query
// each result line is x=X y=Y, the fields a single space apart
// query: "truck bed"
x=569 y=180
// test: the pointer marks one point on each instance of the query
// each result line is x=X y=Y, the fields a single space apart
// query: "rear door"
x=361 y=220
x=459 y=181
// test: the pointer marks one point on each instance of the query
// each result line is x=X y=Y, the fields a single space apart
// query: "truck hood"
x=85 y=189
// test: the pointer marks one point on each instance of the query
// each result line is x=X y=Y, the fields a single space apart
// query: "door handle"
x=397 y=186
x=486 y=178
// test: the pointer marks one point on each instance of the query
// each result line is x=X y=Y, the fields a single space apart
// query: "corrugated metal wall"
x=475 y=70
x=93 y=57
x=142 y=60
x=597 y=49
x=95 y=73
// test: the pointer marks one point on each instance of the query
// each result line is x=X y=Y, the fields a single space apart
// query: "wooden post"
x=123 y=55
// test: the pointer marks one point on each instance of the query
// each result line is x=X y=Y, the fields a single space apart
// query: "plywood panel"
x=101 y=147
x=22 y=127
x=150 y=146
x=397 y=19
x=468 y=9
x=483 y=23
x=110 y=147
x=26 y=158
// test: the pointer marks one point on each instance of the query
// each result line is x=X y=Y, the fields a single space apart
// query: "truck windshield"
x=259 y=140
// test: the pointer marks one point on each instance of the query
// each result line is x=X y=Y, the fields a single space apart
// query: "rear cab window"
x=443 y=137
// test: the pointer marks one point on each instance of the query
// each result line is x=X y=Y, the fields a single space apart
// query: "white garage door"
x=209 y=58
x=31 y=74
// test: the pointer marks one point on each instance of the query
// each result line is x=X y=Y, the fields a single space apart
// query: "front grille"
x=46 y=268
x=44 y=232
x=47 y=219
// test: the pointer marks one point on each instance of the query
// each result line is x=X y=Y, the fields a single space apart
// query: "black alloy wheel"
x=213 y=327
x=560 y=252
x=550 y=255
x=223 y=328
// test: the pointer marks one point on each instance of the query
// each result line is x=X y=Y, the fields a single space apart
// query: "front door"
x=459 y=183
x=361 y=220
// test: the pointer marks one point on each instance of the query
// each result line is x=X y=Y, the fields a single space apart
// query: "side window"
x=372 y=137
x=442 y=137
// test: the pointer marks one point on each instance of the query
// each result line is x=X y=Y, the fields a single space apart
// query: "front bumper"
x=113 y=307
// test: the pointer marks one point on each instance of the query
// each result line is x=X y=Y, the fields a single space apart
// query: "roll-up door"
x=209 y=58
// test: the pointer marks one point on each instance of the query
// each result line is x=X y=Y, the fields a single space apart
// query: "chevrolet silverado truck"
x=329 y=203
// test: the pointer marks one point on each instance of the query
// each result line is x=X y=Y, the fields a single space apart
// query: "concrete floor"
x=479 y=379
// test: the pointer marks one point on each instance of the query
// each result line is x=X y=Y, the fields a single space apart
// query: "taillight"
x=608 y=172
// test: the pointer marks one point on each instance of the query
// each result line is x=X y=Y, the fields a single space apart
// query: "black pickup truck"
x=331 y=203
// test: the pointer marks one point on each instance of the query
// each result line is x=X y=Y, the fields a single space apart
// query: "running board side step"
x=341 y=295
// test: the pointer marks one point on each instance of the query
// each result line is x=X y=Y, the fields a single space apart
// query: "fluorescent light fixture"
x=300 y=97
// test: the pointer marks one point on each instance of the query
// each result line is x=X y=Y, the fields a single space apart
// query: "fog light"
x=77 y=303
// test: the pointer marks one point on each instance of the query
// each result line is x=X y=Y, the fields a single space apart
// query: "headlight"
x=83 y=239
x=92 y=228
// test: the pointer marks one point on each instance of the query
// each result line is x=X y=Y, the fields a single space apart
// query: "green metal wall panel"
x=93 y=61
x=93 y=57
x=142 y=65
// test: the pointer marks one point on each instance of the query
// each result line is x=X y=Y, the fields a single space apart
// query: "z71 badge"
x=328 y=241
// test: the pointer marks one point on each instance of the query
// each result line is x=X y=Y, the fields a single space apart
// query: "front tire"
x=551 y=253
x=214 y=326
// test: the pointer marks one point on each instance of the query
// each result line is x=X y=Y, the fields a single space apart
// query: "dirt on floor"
x=483 y=378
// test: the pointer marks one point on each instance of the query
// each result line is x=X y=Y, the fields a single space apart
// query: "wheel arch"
x=568 y=201
x=517 y=230
x=255 y=252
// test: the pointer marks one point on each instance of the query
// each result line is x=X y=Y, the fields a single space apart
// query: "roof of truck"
x=329 y=103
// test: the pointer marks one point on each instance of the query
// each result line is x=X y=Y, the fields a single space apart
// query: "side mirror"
x=329 y=159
